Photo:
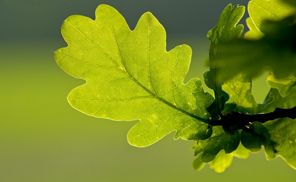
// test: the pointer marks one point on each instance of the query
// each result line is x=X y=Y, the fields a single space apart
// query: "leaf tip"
x=149 y=17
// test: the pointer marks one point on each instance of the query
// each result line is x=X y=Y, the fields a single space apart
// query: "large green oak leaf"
x=130 y=76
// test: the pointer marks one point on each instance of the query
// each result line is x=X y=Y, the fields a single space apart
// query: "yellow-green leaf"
x=130 y=76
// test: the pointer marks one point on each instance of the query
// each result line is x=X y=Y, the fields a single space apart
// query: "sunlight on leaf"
x=222 y=160
x=278 y=136
x=130 y=76
x=270 y=39
x=284 y=85
x=225 y=30
x=253 y=57
x=239 y=90
x=283 y=133
x=273 y=10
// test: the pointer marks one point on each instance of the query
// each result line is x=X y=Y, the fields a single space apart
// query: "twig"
x=241 y=120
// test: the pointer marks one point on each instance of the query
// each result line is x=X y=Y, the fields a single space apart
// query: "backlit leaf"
x=241 y=99
x=225 y=30
x=254 y=32
x=261 y=10
x=270 y=39
x=283 y=85
x=130 y=76
x=222 y=160
x=277 y=136
x=283 y=133
x=213 y=149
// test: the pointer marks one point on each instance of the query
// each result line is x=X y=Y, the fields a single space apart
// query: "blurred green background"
x=43 y=139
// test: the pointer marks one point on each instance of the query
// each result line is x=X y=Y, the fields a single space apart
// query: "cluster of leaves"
x=130 y=76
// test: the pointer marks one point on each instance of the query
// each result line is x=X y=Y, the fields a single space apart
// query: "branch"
x=240 y=120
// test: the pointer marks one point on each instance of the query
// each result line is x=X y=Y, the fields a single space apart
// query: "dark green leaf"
x=290 y=2
x=219 y=140
x=283 y=133
x=257 y=137
x=277 y=136
x=222 y=160
x=275 y=52
x=271 y=38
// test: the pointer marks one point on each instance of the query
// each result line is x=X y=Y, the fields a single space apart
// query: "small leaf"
x=259 y=137
x=283 y=133
x=216 y=108
x=219 y=140
x=271 y=38
x=130 y=76
x=272 y=10
x=223 y=32
x=275 y=100
x=226 y=28
x=212 y=150
x=284 y=85
x=254 y=33
x=241 y=152
x=198 y=164
x=252 y=57
x=278 y=136
x=239 y=90
x=222 y=160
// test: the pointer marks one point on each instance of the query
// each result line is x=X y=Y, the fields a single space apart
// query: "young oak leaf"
x=271 y=38
x=275 y=100
x=241 y=99
x=284 y=85
x=222 y=160
x=225 y=30
x=261 y=10
x=254 y=32
x=236 y=93
x=283 y=133
x=277 y=136
x=130 y=76
x=259 y=137
x=220 y=140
